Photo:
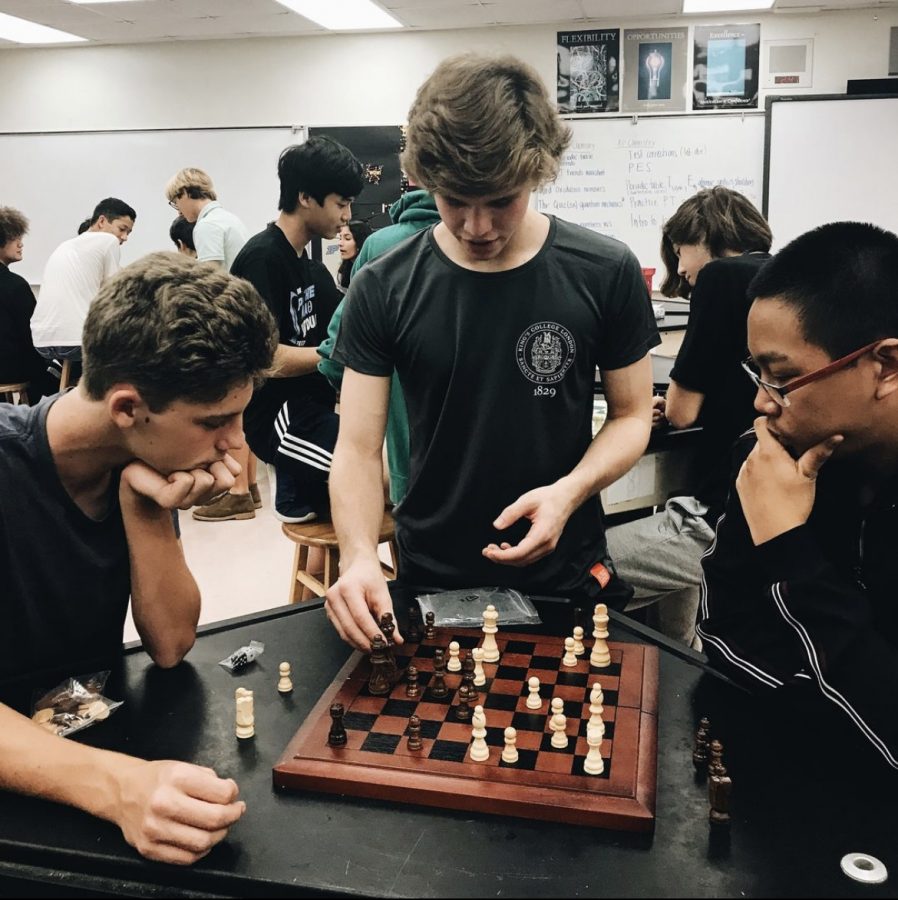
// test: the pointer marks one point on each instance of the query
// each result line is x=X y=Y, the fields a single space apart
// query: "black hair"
x=182 y=231
x=841 y=281
x=361 y=231
x=112 y=208
x=84 y=226
x=318 y=167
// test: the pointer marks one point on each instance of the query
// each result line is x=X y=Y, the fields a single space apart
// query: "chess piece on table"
x=388 y=628
x=593 y=764
x=438 y=687
x=430 y=631
x=570 y=657
x=411 y=682
x=579 y=648
x=285 y=683
x=596 y=710
x=480 y=751
x=380 y=681
x=454 y=663
x=715 y=763
x=245 y=719
x=510 y=751
x=700 y=750
x=534 y=701
x=720 y=787
x=414 y=623
x=463 y=709
x=600 y=657
x=336 y=737
x=414 y=733
x=479 y=673
x=490 y=627
x=467 y=676
x=558 y=724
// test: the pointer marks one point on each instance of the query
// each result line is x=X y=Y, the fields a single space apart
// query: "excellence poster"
x=588 y=67
x=725 y=67
x=655 y=76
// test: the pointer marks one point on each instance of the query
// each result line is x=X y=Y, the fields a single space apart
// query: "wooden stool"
x=9 y=392
x=322 y=534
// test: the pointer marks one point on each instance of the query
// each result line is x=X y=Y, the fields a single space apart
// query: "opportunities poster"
x=655 y=77
x=588 y=66
x=725 y=67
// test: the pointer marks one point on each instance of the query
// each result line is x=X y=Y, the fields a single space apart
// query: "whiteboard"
x=624 y=177
x=56 y=180
x=830 y=159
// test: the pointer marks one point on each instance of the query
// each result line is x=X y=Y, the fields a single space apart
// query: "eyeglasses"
x=174 y=203
x=778 y=393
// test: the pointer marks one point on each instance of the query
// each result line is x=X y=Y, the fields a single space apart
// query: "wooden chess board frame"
x=625 y=800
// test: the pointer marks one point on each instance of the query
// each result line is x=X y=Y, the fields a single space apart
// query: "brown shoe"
x=231 y=506
x=257 y=497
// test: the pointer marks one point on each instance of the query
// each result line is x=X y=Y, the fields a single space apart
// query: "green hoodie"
x=412 y=212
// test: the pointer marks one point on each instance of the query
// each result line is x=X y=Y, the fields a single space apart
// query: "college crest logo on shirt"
x=545 y=352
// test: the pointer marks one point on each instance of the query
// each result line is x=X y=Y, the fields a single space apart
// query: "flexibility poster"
x=588 y=64
x=655 y=74
x=725 y=66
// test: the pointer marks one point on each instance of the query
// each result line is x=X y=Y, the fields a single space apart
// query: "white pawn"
x=479 y=674
x=570 y=658
x=534 y=701
x=285 y=683
x=490 y=647
x=593 y=764
x=600 y=657
x=596 y=697
x=454 y=663
x=579 y=649
x=245 y=718
x=510 y=752
x=480 y=751
x=558 y=724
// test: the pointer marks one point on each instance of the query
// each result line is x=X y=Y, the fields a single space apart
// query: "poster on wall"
x=655 y=70
x=588 y=71
x=725 y=66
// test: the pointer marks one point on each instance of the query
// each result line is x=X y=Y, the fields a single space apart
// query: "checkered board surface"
x=545 y=783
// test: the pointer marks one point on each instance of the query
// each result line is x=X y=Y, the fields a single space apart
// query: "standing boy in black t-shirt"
x=495 y=320
x=171 y=352
x=291 y=421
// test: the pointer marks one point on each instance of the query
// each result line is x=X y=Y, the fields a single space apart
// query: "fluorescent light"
x=92 y=2
x=21 y=31
x=345 y=15
x=724 y=6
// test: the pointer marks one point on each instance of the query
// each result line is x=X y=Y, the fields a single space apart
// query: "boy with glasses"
x=800 y=581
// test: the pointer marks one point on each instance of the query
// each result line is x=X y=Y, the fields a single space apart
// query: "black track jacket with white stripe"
x=814 y=608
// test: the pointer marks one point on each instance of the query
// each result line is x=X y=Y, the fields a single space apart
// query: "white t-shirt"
x=218 y=235
x=72 y=277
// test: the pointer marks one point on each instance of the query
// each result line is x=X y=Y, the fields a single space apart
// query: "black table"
x=790 y=826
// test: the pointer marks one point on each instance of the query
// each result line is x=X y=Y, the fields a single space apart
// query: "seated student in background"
x=181 y=233
x=799 y=584
x=412 y=212
x=351 y=238
x=96 y=472
x=72 y=277
x=712 y=247
x=19 y=361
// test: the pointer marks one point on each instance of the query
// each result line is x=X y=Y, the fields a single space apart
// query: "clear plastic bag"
x=464 y=608
x=243 y=656
x=74 y=704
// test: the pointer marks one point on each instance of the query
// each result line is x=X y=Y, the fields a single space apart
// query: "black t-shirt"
x=65 y=579
x=19 y=361
x=710 y=360
x=498 y=371
x=302 y=297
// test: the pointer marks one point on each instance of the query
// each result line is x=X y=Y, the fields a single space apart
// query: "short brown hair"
x=481 y=125
x=195 y=182
x=177 y=330
x=13 y=224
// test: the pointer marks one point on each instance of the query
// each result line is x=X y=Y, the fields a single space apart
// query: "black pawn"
x=414 y=733
x=411 y=682
x=430 y=631
x=414 y=624
x=380 y=682
x=700 y=752
x=467 y=677
x=715 y=764
x=719 y=788
x=438 y=687
x=336 y=737
x=463 y=711
x=388 y=627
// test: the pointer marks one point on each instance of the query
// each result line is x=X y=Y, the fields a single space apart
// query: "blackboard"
x=625 y=176
x=57 y=178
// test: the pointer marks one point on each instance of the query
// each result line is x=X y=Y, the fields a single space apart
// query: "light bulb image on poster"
x=654 y=72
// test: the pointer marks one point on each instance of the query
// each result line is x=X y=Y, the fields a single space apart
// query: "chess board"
x=546 y=783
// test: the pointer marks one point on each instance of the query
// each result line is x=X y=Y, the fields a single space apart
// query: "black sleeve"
x=783 y=614
x=364 y=341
